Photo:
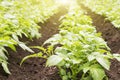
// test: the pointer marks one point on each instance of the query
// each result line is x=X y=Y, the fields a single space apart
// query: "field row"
x=108 y=8
x=18 y=18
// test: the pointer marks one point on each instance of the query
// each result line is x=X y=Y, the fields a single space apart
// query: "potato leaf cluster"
x=18 y=18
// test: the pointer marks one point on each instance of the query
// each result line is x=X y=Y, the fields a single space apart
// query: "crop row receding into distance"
x=107 y=8
x=18 y=18
x=82 y=49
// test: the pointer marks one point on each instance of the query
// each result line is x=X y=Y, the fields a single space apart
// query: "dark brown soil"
x=112 y=36
x=34 y=68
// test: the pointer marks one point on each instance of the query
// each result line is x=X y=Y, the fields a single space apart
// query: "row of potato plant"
x=18 y=18
x=80 y=49
x=108 y=8
x=83 y=51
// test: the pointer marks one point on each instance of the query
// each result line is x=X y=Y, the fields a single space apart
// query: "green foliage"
x=79 y=49
x=31 y=56
x=18 y=18
x=44 y=53
x=107 y=8
x=83 y=50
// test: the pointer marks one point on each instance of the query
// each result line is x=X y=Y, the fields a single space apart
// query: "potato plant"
x=83 y=50
x=18 y=18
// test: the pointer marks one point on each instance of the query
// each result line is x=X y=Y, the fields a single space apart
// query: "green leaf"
x=65 y=77
x=60 y=50
x=40 y=48
x=97 y=72
x=53 y=40
x=12 y=47
x=87 y=78
x=31 y=56
x=5 y=67
x=62 y=71
x=15 y=37
x=54 y=60
x=104 y=62
x=91 y=57
x=85 y=67
x=117 y=56
x=2 y=55
x=23 y=46
x=4 y=50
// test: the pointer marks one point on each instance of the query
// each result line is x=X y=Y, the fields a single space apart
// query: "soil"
x=34 y=68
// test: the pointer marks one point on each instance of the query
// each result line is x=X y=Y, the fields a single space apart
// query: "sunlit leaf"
x=5 y=67
x=31 y=56
x=97 y=72
x=117 y=56
x=53 y=60
x=104 y=62
x=23 y=46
